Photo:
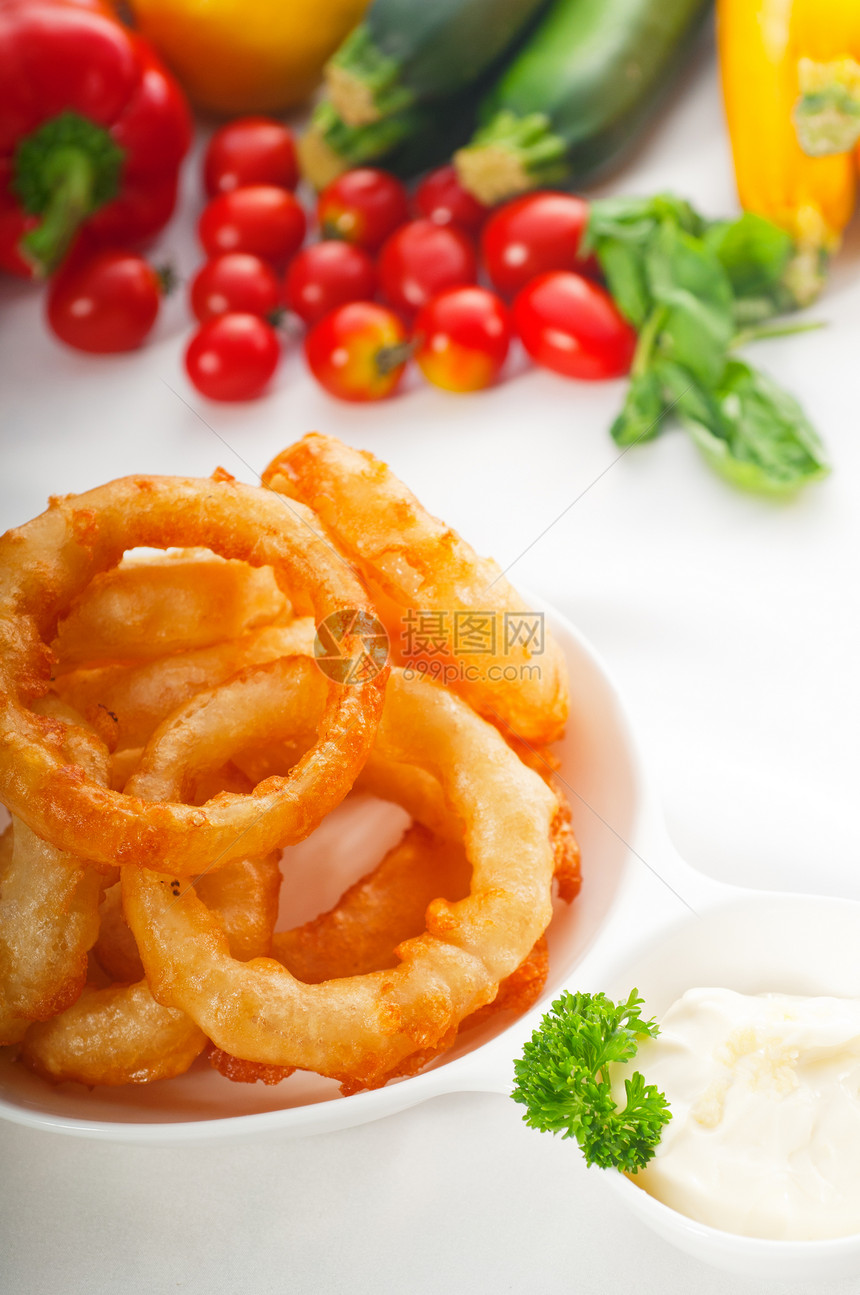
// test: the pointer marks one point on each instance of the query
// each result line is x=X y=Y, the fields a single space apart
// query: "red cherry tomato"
x=533 y=234
x=235 y=282
x=363 y=206
x=104 y=302
x=463 y=338
x=261 y=219
x=570 y=324
x=326 y=275
x=358 y=352
x=422 y=259
x=250 y=150
x=232 y=357
x=441 y=197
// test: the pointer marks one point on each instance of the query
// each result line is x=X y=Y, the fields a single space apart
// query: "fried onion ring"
x=148 y=607
x=46 y=563
x=49 y=903
x=415 y=565
x=360 y=1028
x=120 y=1034
x=388 y=905
x=125 y=703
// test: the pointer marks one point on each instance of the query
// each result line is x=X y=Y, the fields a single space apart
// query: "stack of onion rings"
x=164 y=720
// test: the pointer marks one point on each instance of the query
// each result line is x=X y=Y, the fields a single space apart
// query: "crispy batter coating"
x=196 y=671
x=49 y=902
x=359 y=1028
x=126 y=703
x=483 y=637
x=147 y=608
x=48 y=562
x=120 y=1034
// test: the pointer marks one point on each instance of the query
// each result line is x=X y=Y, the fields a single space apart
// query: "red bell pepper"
x=92 y=133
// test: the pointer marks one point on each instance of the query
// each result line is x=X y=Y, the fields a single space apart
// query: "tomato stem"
x=389 y=358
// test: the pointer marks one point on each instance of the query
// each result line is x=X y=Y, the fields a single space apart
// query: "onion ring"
x=388 y=905
x=147 y=607
x=360 y=1028
x=49 y=902
x=125 y=703
x=46 y=563
x=121 y=1034
x=414 y=564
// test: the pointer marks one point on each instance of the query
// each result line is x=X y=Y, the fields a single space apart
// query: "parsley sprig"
x=562 y=1079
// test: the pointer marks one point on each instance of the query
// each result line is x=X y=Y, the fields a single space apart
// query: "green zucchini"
x=407 y=52
x=579 y=91
x=406 y=143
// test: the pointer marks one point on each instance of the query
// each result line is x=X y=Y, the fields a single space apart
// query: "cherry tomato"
x=570 y=324
x=232 y=357
x=358 y=352
x=250 y=150
x=104 y=302
x=363 y=206
x=533 y=234
x=236 y=281
x=422 y=259
x=441 y=197
x=261 y=219
x=326 y=275
x=463 y=337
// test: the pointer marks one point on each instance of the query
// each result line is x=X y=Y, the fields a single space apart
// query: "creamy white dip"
x=765 y=1098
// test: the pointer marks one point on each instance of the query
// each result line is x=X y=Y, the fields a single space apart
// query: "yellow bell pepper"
x=761 y=45
x=240 y=56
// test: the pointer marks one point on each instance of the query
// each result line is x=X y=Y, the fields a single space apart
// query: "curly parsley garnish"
x=562 y=1079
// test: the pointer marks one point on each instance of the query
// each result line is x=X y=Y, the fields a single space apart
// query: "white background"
x=731 y=625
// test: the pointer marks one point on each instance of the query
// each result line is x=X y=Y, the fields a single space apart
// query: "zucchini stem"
x=511 y=155
x=364 y=83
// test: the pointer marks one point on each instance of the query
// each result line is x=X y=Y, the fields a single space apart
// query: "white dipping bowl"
x=754 y=943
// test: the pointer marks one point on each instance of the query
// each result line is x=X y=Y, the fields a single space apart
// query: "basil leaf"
x=621 y=232
x=624 y=269
x=684 y=395
x=635 y=219
x=685 y=276
x=642 y=416
x=760 y=438
x=755 y=255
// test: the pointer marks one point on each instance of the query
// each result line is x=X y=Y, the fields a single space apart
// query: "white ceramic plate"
x=597 y=765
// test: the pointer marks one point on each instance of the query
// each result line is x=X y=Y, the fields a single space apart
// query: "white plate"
x=598 y=767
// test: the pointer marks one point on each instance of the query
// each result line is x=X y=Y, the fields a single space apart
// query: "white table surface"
x=732 y=627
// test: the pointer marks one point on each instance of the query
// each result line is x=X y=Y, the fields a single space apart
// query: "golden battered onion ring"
x=49 y=903
x=120 y=1034
x=388 y=905
x=360 y=1028
x=147 y=607
x=117 y=1035
x=46 y=563
x=415 y=564
x=126 y=702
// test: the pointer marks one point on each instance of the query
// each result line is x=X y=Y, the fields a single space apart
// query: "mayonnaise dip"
x=764 y=1091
